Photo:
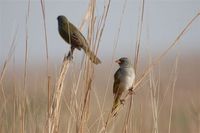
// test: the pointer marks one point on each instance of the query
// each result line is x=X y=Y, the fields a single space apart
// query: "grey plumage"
x=124 y=78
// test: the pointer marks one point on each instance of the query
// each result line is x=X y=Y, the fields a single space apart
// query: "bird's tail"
x=116 y=102
x=92 y=56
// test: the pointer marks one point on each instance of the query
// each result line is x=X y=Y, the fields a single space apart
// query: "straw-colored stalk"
x=54 y=113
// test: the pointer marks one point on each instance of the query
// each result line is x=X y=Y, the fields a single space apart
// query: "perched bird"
x=74 y=37
x=123 y=80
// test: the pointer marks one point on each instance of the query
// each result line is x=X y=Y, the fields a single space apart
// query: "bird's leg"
x=70 y=54
x=122 y=101
x=131 y=91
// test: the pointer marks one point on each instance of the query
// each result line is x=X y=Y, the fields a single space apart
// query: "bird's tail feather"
x=92 y=56
x=116 y=103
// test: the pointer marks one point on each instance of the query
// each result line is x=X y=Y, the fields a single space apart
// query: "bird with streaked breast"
x=75 y=38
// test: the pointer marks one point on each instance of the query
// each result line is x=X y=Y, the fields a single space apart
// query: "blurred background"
x=163 y=22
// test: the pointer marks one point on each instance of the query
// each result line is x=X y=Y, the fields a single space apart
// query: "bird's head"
x=123 y=62
x=62 y=19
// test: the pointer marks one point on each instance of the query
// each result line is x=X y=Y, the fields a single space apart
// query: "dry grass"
x=74 y=104
x=54 y=109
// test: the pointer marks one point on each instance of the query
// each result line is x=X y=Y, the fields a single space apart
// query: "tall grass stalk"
x=5 y=67
x=42 y=3
x=159 y=58
x=77 y=104
x=137 y=52
x=172 y=95
x=53 y=117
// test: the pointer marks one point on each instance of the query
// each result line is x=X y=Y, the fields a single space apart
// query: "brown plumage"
x=74 y=37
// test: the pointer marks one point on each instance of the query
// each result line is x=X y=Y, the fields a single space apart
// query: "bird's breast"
x=64 y=34
x=127 y=78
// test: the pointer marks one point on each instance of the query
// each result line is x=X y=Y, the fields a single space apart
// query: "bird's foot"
x=131 y=91
x=70 y=56
x=65 y=58
x=122 y=101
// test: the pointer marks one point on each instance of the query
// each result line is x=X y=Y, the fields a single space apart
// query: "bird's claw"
x=131 y=91
x=70 y=56
x=122 y=101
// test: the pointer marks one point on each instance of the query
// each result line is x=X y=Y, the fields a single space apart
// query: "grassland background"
x=156 y=38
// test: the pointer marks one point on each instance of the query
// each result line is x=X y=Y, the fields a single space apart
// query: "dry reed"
x=80 y=100
x=54 y=113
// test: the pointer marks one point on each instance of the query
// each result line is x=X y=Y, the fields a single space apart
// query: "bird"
x=124 y=79
x=75 y=38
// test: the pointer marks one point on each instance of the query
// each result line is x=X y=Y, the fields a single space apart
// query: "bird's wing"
x=116 y=81
x=78 y=40
x=77 y=37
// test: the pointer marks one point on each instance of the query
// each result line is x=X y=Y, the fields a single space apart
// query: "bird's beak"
x=118 y=61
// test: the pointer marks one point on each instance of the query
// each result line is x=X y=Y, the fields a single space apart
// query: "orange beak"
x=118 y=61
